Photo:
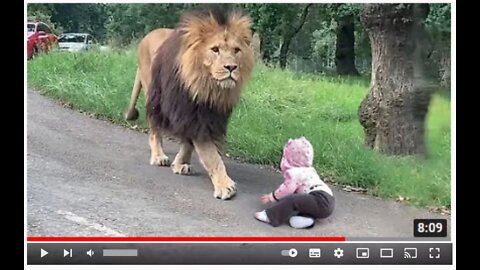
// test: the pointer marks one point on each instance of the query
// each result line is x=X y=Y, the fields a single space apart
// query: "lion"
x=193 y=77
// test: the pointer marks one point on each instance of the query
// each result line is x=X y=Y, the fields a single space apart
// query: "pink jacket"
x=298 y=174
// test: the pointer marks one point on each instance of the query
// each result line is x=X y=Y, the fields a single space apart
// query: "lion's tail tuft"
x=132 y=112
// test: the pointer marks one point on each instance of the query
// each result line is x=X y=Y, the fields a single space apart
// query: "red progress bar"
x=189 y=239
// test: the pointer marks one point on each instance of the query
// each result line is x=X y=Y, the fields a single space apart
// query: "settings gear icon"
x=338 y=253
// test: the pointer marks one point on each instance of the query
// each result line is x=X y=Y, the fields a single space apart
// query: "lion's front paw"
x=159 y=161
x=185 y=169
x=225 y=189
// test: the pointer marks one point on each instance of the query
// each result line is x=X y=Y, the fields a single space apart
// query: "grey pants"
x=316 y=204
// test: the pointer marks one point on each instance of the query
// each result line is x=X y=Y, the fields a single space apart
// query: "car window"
x=40 y=27
x=47 y=29
x=72 y=38
x=30 y=27
x=44 y=28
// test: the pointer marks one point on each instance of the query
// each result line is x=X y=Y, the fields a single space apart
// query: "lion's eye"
x=215 y=49
x=237 y=50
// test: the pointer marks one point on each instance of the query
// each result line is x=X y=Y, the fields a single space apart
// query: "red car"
x=40 y=38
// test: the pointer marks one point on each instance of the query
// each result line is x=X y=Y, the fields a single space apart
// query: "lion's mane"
x=184 y=101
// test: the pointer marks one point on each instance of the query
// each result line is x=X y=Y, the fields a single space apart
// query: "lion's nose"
x=230 y=67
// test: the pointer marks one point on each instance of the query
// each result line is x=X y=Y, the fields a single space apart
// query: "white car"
x=76 y=42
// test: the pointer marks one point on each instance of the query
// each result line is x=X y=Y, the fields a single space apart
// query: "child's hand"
x=265 y=198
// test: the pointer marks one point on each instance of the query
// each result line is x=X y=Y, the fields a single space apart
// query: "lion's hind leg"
x=181 y=163
x=158 y=157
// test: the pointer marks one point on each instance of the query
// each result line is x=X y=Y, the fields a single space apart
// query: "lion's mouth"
x=227 y=79
x=227 y=83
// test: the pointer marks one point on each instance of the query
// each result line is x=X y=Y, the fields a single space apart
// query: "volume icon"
x=90 y=253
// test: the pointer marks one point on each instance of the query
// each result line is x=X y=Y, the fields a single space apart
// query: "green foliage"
x=42 y=13
x=336 y=11
x=439 y=17
x=72 y=17
x=130 y=22
x=265 y=22
x=312 y=49
x=439 y=34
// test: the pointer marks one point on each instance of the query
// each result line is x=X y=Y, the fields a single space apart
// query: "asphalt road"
x=87 y=177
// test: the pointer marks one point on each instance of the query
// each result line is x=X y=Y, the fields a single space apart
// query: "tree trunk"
x=345 y=47
x=284 y=51
x=288 y=36
x=256 y=46
x=394 y=111
x=265 y=49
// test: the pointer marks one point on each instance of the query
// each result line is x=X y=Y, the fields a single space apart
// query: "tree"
x=439 y=29
x=394 y=111
x=345 y=47
x=344 y=15
x=265 y=24
x=72 y=17
x=256 y=44
x=43 y=13
x=130 y=22
x=277 y=23
x=290 y=30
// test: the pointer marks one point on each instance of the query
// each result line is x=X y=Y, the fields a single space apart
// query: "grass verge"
x=276 y=105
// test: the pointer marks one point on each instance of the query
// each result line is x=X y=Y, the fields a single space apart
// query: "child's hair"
x=298 y=152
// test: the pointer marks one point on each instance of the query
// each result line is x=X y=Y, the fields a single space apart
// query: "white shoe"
x=299 y=222
x=262 y=216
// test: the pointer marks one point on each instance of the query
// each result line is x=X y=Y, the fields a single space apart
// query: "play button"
x=43 y=253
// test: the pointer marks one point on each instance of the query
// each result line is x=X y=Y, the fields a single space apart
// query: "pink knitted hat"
x=297 y=153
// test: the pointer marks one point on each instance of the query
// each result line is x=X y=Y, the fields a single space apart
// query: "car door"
x=43 y=39
x=52 y=38
x=88 y=42
x=48 y=38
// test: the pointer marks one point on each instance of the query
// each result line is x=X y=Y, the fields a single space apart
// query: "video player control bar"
x=433 y=253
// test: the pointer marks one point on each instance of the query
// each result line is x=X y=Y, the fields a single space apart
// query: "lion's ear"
x=241 y=25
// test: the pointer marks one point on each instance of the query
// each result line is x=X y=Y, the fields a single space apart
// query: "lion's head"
x=215 y=57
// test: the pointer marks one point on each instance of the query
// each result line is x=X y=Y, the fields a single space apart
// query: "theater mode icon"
x=386 y=253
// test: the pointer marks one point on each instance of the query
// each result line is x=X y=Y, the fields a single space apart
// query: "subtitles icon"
x=290 y=253
x=314 y=253
x=386 y=253
x=363 y=253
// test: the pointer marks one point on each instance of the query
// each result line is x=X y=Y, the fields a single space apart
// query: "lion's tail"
x=132 y=112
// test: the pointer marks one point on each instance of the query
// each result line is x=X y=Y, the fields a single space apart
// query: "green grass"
x=276 y=105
